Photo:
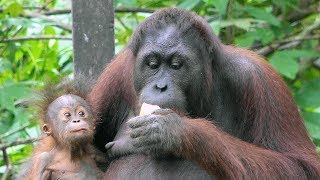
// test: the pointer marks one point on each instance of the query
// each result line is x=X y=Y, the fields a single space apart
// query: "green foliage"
x=264 y=36
x=286 y=62
x=262 y=14
x=14 y=10
x=313 y=124
x=308 y=95
x=189 y=4
x=252 y=24
x=220 y=6
x=24 y=66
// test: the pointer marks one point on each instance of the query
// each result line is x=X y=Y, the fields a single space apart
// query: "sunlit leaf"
x=35 y=49
x=49 y=30
x=14 y=9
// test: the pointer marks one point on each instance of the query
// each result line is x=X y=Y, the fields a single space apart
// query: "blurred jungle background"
x=36 y=45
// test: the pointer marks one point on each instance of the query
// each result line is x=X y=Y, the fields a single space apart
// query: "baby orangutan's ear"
x=46 y=129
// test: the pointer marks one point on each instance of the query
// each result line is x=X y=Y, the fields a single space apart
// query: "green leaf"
x=309 y=94
x=285 y=5
x=245 y=40
x=6 y=120
x=14 y=9
x=17 y=22
x=312 y=121
x=189 y=4
x=35 y=49
x=263 y=15
x=285 y=63
x=10 y=92
x=49 y=31
x=216 y=27
x=304 y=53
x=243 y=23
x=4 y=66
x=280 y=4
x=264 y=35
x=221 y=6
x=18 y=55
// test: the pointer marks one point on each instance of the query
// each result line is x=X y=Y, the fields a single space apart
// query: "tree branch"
x=44 y=14
x=34 y=7
x=32 y=14
x=30 y=38
x=7 y=163
x=134 y=10
x=300 y=39
x=57 y=12
x=284 y=44
x=68 y=11
x=14 y=131
x=18 y=142
x=117 y=10
x=296 y=41
x=302 y=13
x=267 y=49
x=121 y=22
x=61 y=25
x=7 y=172
x=5 y=157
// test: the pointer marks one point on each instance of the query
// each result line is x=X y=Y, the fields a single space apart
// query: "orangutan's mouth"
x=78 y=130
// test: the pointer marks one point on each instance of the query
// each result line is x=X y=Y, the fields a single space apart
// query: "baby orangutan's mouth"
x=78 y=130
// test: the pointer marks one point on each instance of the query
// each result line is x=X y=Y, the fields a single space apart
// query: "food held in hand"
x=147 y=109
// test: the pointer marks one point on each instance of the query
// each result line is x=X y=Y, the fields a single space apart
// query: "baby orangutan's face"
x=70 y=120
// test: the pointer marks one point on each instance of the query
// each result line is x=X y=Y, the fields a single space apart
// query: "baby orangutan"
x=66 y=151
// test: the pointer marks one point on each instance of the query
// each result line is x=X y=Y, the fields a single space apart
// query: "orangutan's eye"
x=67 y=114
x=81 y=113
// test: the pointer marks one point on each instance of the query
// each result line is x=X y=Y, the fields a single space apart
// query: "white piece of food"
x=147 y=109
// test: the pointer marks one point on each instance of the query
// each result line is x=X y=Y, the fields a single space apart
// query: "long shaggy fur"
x=247 y=124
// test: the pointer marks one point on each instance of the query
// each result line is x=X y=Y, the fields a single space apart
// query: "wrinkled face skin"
x=167 y=66
x=71 y=120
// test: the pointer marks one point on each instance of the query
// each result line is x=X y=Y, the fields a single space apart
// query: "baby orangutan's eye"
x=81 y=113
x=67 y=114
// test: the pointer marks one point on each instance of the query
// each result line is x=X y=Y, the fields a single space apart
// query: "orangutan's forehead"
x=68 y=100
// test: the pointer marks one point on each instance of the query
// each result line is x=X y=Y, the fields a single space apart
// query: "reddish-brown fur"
x=274 y=143
x=48 y=144
x=226 y=156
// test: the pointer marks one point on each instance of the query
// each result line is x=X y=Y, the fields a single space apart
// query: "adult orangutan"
x=225 y=113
